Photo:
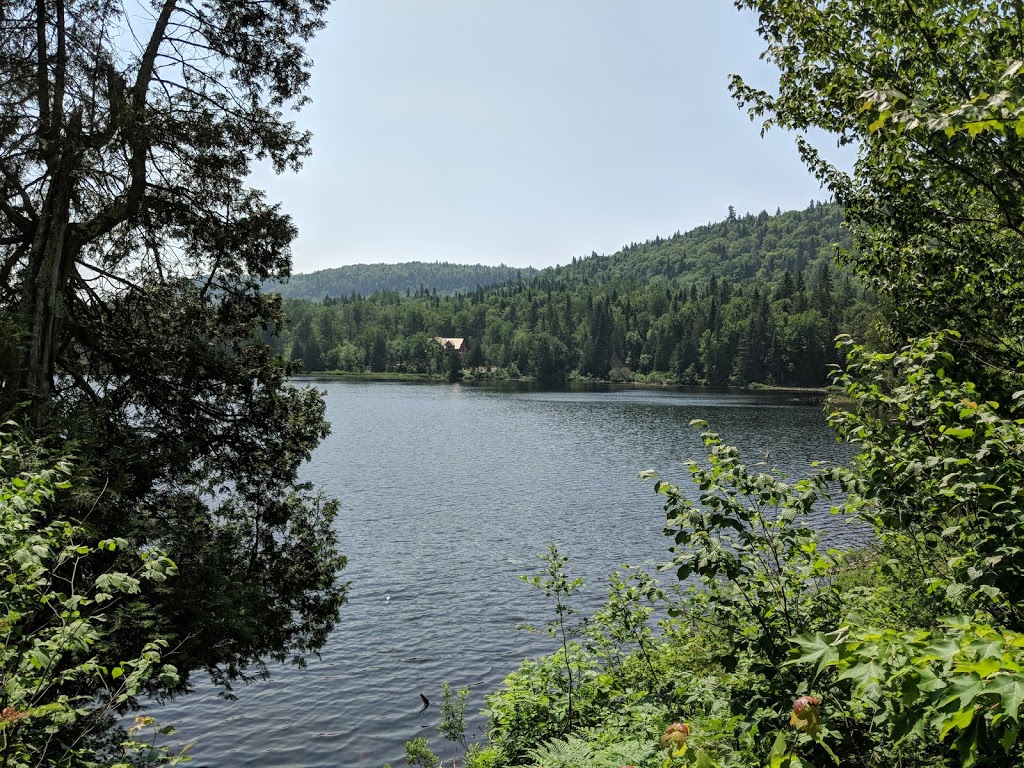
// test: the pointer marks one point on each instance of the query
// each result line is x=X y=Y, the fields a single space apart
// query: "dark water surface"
x=448 y=493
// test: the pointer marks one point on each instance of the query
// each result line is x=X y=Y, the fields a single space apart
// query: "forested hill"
x=410 y=277
x=749 y=299
x=738 y=249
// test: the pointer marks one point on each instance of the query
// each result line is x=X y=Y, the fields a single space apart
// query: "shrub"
x=60 y=697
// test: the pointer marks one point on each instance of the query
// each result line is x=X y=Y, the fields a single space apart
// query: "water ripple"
x=448 y=494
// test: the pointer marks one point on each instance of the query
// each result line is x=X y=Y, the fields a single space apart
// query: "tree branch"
x=131 y=201
x=8 y=266
x=42 y=70
x=18 y=220
x=29 y=215
x=109 y=275
x=60 y=75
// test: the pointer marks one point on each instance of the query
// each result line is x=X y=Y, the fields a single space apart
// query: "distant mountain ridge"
x=739 y=248
x=442 y=278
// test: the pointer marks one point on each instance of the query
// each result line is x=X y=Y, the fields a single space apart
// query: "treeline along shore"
x=750 y=299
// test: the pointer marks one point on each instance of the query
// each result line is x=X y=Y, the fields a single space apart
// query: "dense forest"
x=748 y=299
x=363 y=279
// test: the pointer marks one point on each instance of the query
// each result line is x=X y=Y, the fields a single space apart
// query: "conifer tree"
x=131 y=256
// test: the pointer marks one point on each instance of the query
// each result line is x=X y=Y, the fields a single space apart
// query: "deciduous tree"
x=930 y=92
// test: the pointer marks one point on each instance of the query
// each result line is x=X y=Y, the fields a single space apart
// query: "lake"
x=448 y=493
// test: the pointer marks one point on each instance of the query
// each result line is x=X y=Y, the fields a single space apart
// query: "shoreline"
x=426 y=378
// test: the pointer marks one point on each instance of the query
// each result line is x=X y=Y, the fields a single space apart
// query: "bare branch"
x=9 y=263
x=109 y=275
x=20 y=222
x=26 y=201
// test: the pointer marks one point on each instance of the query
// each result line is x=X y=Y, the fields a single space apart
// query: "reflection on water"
x=448 y=493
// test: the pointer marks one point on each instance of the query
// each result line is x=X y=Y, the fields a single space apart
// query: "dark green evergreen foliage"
x=755 y=299
x=131 y=255
x=745 y=247
x=454 y=368
x=547 y=357
x=410 y=278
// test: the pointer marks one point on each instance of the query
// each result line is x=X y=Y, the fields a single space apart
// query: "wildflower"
x=675 y=736
x=10 y=715
x=805 y=717
x=141 y=721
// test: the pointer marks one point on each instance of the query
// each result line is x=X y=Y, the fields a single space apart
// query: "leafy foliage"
x=761 y=575
x=531 y=707
x=61 y=690
x=575 y=752
x=592 y=681
x=417 y=753
x=453 y=713
x=560 y=588
x=755 y=577
x=929 y=92
x=624 y=621
x=962 y=682
x=940 y=467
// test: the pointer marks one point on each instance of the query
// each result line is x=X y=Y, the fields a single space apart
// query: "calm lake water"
x=448 y=493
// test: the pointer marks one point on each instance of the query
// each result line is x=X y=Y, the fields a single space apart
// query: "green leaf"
x=944 y=650
x=864 y=674
x=965 y=688
x=1010 y=689
x=1009 y=738
x=817 y=650
x=961 y=719
x=983 y=667
x=778 y=750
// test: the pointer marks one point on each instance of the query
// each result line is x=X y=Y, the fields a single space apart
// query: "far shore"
x=655 y=384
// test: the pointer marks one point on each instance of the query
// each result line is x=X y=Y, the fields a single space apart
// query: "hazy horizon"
x=531 y=266
x=528 y=133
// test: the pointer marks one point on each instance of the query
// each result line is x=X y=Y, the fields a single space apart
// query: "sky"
x=527 y=132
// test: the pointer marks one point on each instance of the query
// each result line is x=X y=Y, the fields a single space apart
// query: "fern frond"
x=575 y=752
x=625 y=753
x=568 y=753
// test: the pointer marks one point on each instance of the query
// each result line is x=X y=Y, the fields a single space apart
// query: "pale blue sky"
x=528 y=131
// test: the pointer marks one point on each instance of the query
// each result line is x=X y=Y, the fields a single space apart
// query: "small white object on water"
x=386 y=598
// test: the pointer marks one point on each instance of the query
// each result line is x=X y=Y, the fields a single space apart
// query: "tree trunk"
x=48 y=269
